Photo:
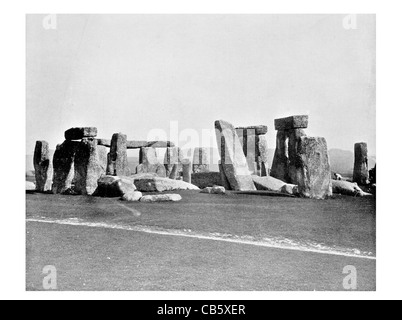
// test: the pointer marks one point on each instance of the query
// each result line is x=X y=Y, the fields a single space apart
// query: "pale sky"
x=136 y=73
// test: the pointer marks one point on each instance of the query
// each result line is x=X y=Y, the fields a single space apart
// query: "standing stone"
x=201 y=160
x=90 y=164
x=118 y=165
x=263 y=159
x=312 y=169
x=224 y=181
x=293 y=150
x=43 y=167
x=63 y=166
x=172 y=160
x=81 y=133
x=234 y=162
x=149 y=163
x=361 y=170
x=186 y=163
x=280 y=164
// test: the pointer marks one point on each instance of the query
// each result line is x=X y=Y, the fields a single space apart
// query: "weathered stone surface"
x=201 y=160
x=272 y=184
x=149 y=163
x=294 y=122
x=43 y=167
x=234 y=162
x=206 y=179
x=214 y=190
x=149 y=144
x=63 y=166
x=293 y=153
x=263 y=160
x=118 y=165
x=172 y=160
x=224 y=181
x=162 y=184
x=280 y=164
x=187 y=170
x=312 y=168
x=114 y=186
x=80 y=133
x=30 y=186
x=104 y=142
x=361 y=170
x=140 y=176
x=90 y=164
x=256 y=130
x=132 y=196
x=162 y=198
x=348 y=189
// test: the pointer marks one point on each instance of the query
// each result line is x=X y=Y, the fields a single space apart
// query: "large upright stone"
x=361 y=170
x=149 y=163
x=312 y=169
x=293 y=122
x=172 y=160
x=293 y=150
x=187 y=170
x=234 y=162
x=81 y=133
x=118 y=165
x=201 y=160
x=63 y=166
x=43 y=167
x=280 y=164
x=90 y=164
x=263 y=160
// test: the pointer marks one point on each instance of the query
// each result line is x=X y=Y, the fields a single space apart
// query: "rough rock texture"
x=206 y=179
x=63 y=166
x=293 y=153
x=104 y=142
x=149 y=144
x=312 y=168
x=224 y=181
x=43 y=167
x=114 y=186
x=172 y=160
x=162 y=184
x=280 y=164
x=187 y=170
x=201 y=160
x=81 y=133
x=263 y=159
x=90 y=164
x=272 y=184
x=294 y=122
x=118 y=165
x=132 y=196
x=361 y=170
x=149 y=163
x=255 y=130
x=348 y=189
x=30 y=186
x=162 y=198
x=214 y=190
x=234 y=162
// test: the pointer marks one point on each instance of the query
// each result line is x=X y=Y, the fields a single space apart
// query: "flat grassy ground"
x=111 y=259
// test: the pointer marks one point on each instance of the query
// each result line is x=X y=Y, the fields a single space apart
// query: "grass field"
x=107 y=244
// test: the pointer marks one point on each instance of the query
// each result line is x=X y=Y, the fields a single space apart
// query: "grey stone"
x=43 y=167
x=63 y=166
x=118 y=165
x=162 y=184
x=201 y=160
x=132 y=196
x=90 y=164
x=149 y=144
x=263 y=160
x=206 y=179
x=272 y=184
x=149 y=163
x=80 y=133
x=234 y=162
x=104 y=142
x=162 y=198
x=280 y=164
x=172 y=160
x=224 y=181
x=361 y=170
x=293 y=153
x=348 y=189
x=114 y=186
x=214 y=190
x=187 y=170
x=256 y=130
x=30 y=186
x=293 y=122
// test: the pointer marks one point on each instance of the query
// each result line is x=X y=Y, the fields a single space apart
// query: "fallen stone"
x=90 y=164
x=272 y=184
x=233 y=160
x=214 y=190
x=361 y=170
x=30 y=186
x=294 y=122
x=81 y=133
x=162 y=184
x=206 y=179
x=63 y=166
x=118 y=165
x=162 y=198
x=43 y=167
x=114 y=186
x=348 y=189
x=132 y=196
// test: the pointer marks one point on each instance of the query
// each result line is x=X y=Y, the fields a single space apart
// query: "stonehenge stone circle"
x=81 y=133
x=43 y=167
x=172 y=160
x=118 y=165
x=201 y=160
x=90 y=164
x=149 y=163
x=361 y=170
x=293 y=122
x=233 y=160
